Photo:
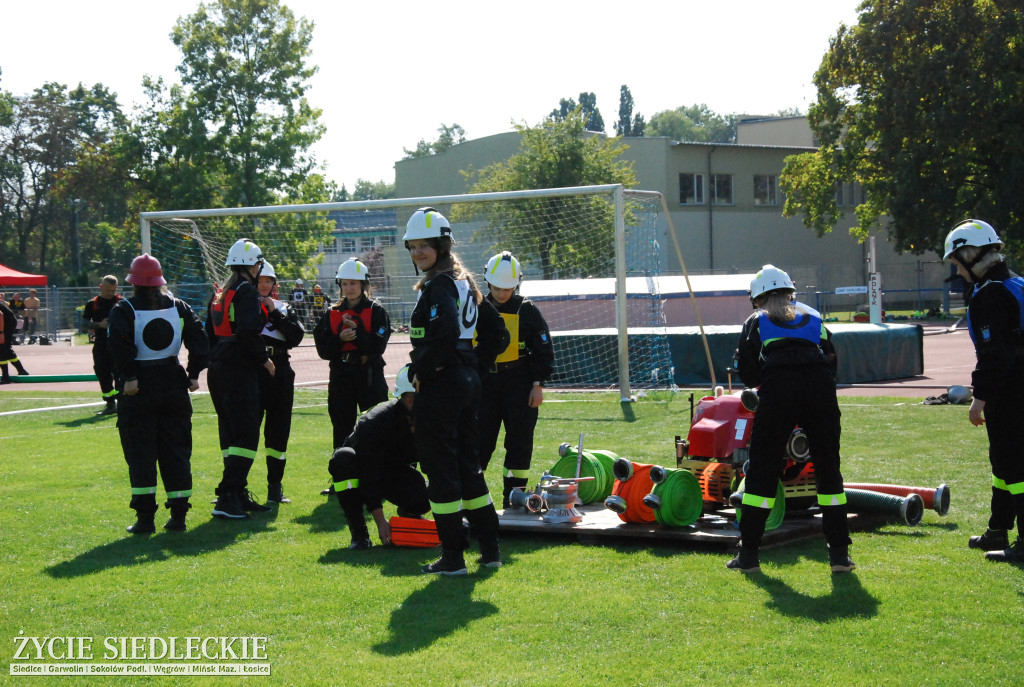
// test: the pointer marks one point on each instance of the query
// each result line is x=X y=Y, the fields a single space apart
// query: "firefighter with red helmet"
x=444 y=370
x=282 y=332
x=994 y=322
x=144 y=334
x=513 y=388
x=353 y=335
x=787 y=352
x=238 y=356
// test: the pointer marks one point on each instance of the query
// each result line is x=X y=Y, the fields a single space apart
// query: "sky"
x=390 y=73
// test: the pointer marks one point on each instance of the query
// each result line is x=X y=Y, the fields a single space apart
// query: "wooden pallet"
x=717 y=529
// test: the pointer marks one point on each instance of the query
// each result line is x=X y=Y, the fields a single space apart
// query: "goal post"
x=590 y=257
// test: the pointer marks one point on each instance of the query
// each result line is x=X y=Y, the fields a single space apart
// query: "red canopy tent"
x=12 y=277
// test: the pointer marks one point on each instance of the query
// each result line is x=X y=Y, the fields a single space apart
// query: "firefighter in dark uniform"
x=994 y=322
x=353 y=335
x=444 y=370
x=8 y=331
x=238 y=356
x=319 y=303
x=377 y=464
x=513 y=388
x=17 y=306
x=282 y=332
x=95 y=313
x=786 y=351
x=145 y=333
x=299 y=298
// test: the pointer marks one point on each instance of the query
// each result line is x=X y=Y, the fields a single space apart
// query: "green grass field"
x=920 y=609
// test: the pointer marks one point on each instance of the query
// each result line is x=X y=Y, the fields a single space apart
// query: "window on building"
x=691 y=189
x=840 y=194
x=766 y=189
x=331 y=246
x=721 y=187
x=388 y=240
x=348 y=246
x=367 y=243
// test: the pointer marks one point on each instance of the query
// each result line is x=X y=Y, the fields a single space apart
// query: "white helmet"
x=971 y=232
x=402 y=383
x=244 y=252
x=298 y=282
x=268 y=271
x=427 y=223
x=770 y=278
x=503 y=271
x=352 y=269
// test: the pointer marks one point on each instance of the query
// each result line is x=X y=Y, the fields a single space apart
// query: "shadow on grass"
x=326 y=517
x=87 y=420
x=440 y=609
x=212 y=535
x=848 y=599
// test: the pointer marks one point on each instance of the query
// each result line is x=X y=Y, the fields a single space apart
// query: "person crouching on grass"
x=994 y=323
x=786 y=351
x=144 y=334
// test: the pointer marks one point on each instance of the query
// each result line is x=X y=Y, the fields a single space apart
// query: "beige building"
x=726 y=206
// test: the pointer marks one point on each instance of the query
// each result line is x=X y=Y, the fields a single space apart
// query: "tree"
x=448 y=136
x=921 y=103
x=628 y=125
x=696 y=123
x=593 y=121
x=556 y=154
x=245 y=74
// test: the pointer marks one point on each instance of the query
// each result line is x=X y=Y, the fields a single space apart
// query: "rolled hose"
x=628 y=492
x=936 y=499
x=778 y=512
x=591 y=465
x=908 y=509
x=676 y=497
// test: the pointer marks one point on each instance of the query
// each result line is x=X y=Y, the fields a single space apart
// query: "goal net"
x=590 y=258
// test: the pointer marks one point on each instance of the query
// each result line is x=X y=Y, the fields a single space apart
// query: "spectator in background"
x=7 y=356
x=31 y=315
x=96 y=313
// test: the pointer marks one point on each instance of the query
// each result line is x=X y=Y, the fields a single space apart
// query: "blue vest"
x=1015 y=285
x=806 y=326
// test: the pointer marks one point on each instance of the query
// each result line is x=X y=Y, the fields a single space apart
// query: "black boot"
x=352 y=506
x=19 y=367
x=275 y=473
x=484 y=524
x=144 y=506
x=179 y=508
x=747 y=560
x=508 y=484
x=453 y=541
x=228 y=504
x=5 y=375
x=992 y=540
x=1011 y=554
x=839 y=559
x=249 y=503
x=109 y=409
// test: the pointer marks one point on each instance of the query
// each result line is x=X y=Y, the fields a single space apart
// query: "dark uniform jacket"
x=536 y=354
x=994 y=317
x=370 y=341
x=121 y=341
x=282 y=320
x=383 y=442
x=245 y=347
x=753 y=359
x=97 y=310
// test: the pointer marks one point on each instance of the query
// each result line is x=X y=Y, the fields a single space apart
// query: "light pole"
x=77 y=204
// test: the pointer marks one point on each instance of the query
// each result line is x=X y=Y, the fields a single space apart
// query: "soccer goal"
x=590 y=257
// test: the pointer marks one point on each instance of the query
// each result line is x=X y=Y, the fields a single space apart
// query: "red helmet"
x=145 y=271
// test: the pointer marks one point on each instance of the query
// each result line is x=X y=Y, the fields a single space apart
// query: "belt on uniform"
x=464 y=345
x=351 y=358
x=157 y=363
x=509 y=366
x=273 y=351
